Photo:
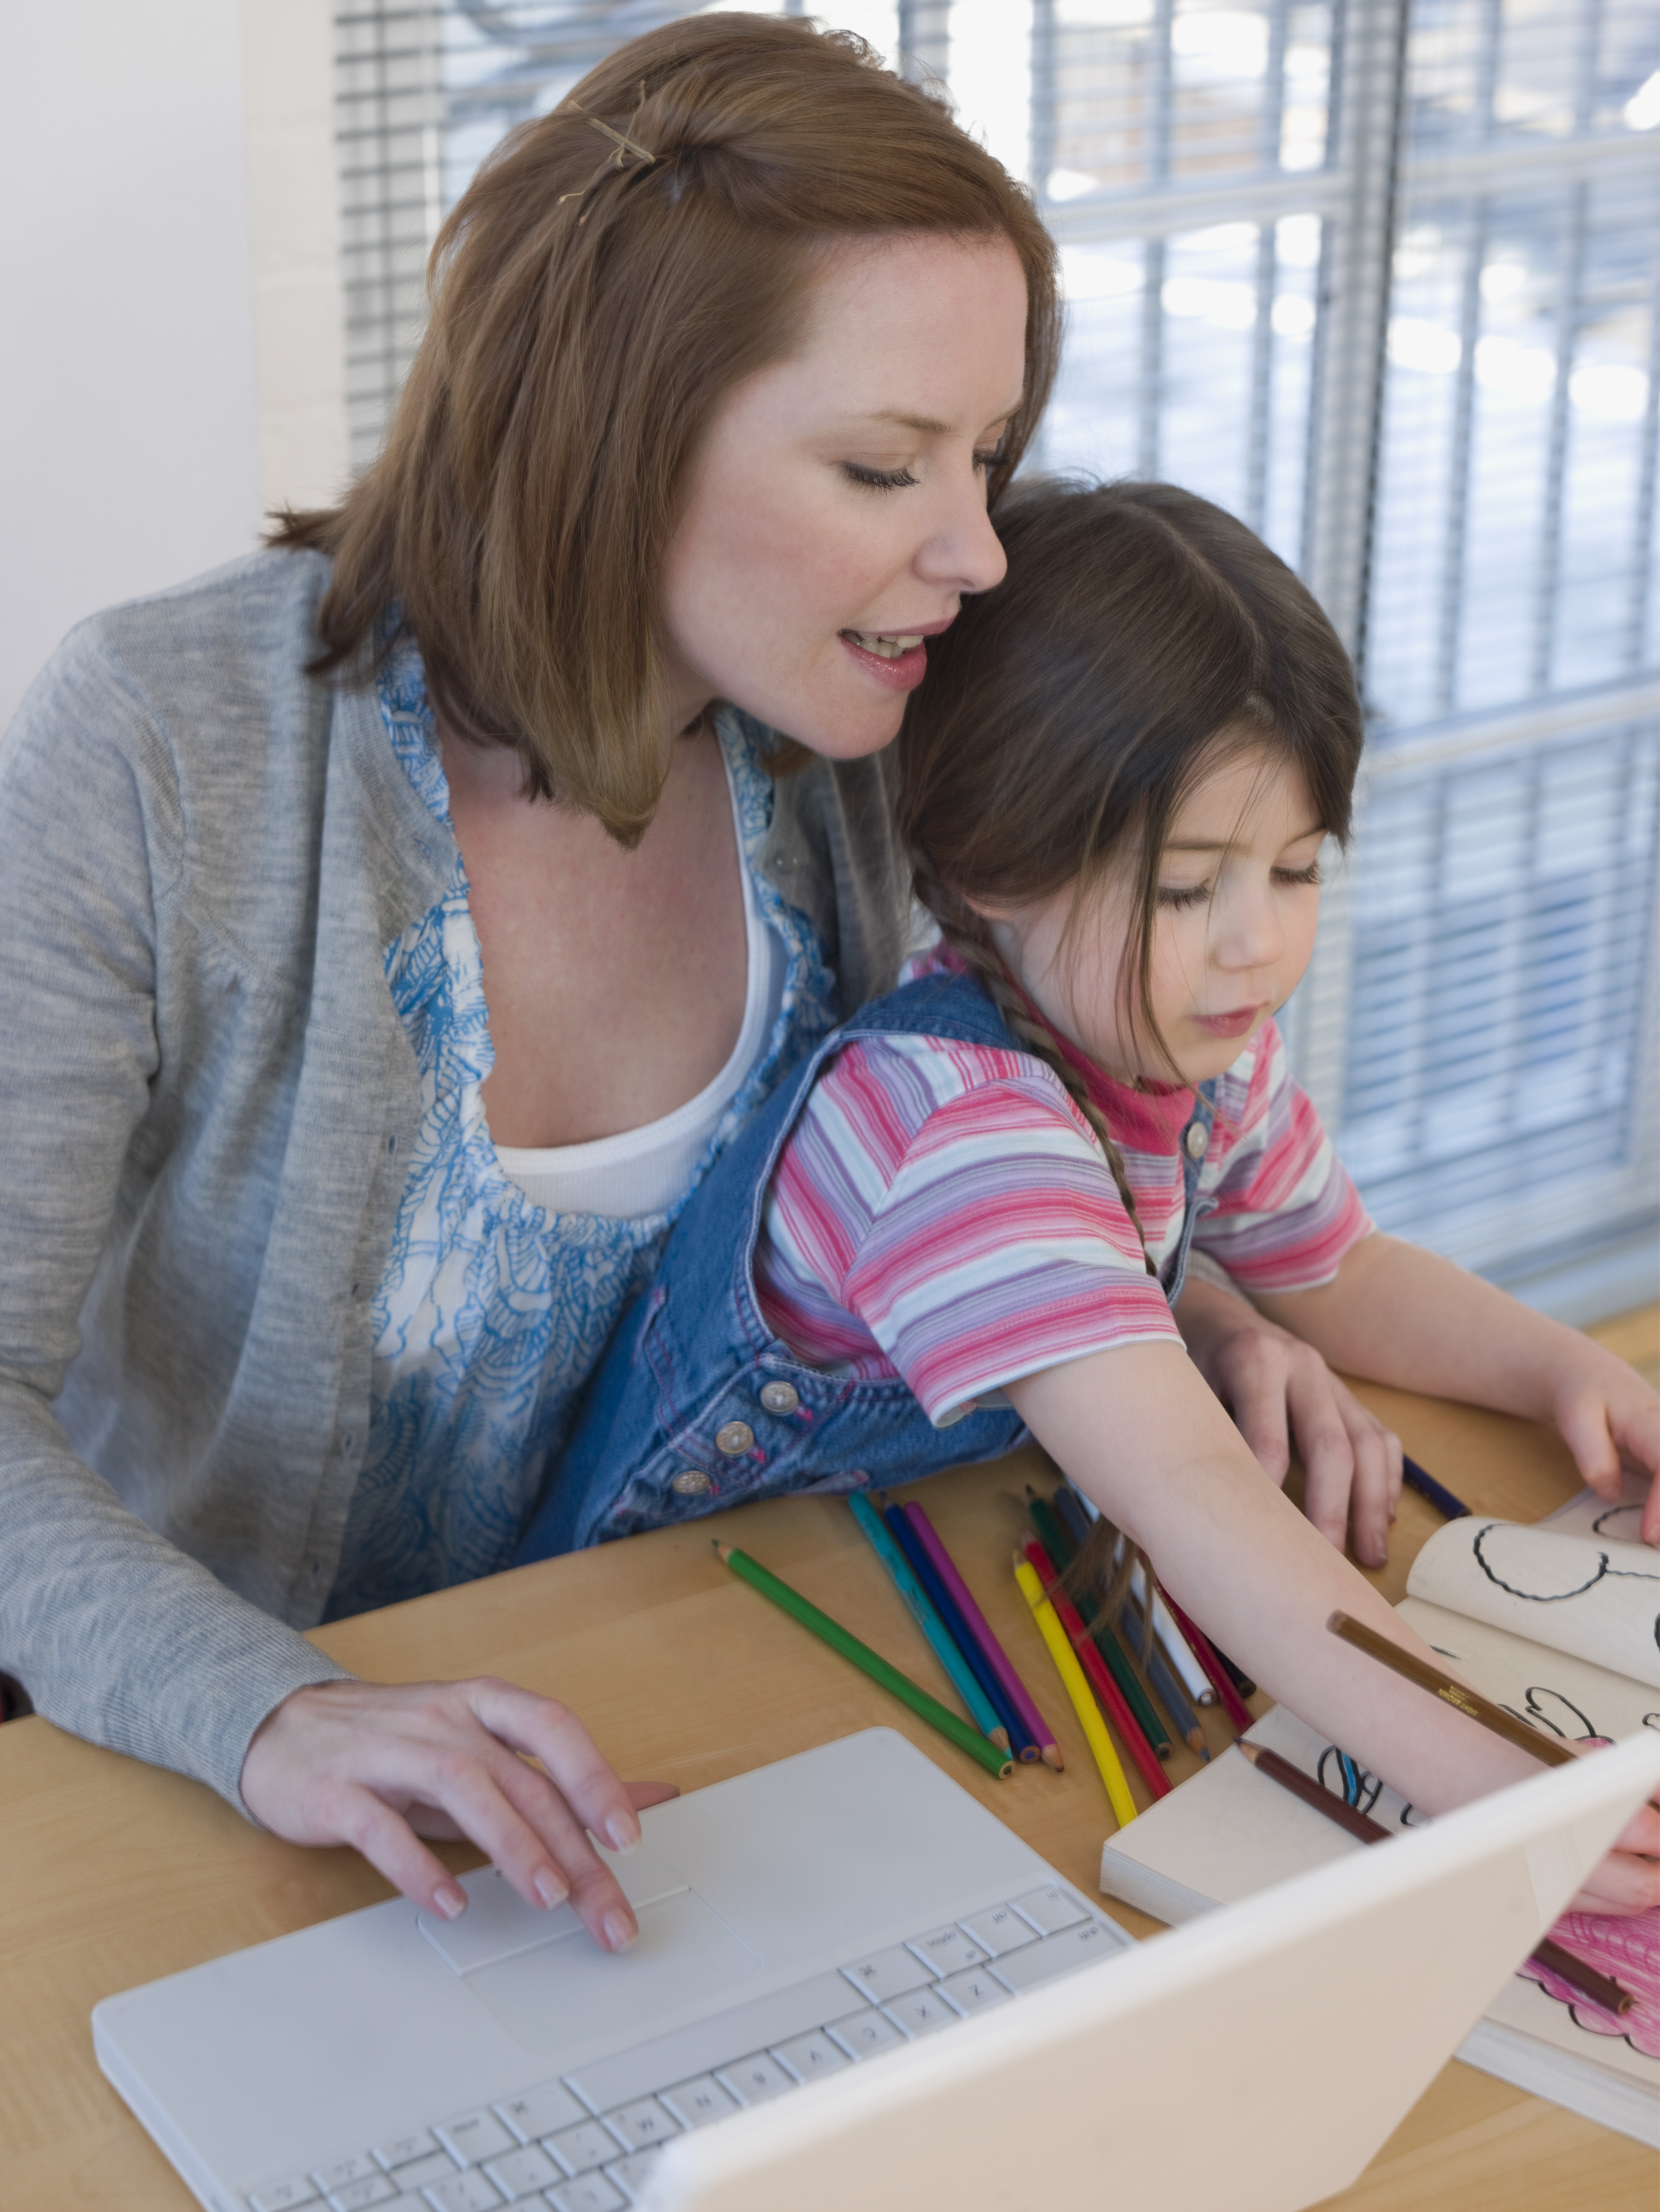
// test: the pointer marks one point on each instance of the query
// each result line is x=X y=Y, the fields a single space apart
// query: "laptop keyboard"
x=585 y=2142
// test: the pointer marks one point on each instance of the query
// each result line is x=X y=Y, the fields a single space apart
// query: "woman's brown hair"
x=596 y=293
x=1139 y=636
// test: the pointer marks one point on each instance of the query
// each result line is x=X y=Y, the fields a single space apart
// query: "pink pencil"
x=1232 y=1704
x=996 y=1658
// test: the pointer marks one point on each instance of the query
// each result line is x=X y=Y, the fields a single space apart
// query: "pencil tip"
x=1054 y=1758
x=999 y=1736
x=1250 y=1751
x=1195 y=1739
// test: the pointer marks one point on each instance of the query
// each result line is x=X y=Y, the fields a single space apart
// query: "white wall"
x=132 y=270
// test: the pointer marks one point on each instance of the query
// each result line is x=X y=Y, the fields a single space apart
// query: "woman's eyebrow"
x=928 y=425
x=1226 y=844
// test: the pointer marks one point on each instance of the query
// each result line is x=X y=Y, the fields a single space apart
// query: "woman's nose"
x=963 y=551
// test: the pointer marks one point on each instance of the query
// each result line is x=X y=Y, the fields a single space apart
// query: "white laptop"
x=854 y=1987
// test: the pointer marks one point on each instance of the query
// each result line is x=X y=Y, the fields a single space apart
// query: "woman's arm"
x=1403 y=1316
x=1137 y=1430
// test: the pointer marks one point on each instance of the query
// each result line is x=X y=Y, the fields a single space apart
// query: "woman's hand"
x=379 y=1766
x=1281 y=1391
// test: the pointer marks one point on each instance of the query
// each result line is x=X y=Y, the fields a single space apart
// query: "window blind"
x=1378 y=276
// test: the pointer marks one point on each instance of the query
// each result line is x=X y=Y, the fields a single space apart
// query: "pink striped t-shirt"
x=943 y=1211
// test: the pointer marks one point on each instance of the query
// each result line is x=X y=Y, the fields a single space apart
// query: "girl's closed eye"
x=1180 y=895
x=878 y=479
x=1310 y=875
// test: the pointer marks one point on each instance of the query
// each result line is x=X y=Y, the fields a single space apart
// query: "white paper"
x=1596 y=1597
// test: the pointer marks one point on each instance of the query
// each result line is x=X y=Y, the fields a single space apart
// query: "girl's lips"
x=903 y=673
x=1231 y=1025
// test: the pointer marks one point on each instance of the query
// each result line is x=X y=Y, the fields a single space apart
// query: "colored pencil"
x=1602 y=1989
x=1021 y=1743
x=1095 y=1667
x=1078 y=1690
x=1183 y=1662
x=1070 y=1530
x=1468 y=1702
x=1165 y=1688
x=1232 y=1704
x=1427 y=1486
x=980 y=1627
x=880 y=1670
x=1240 y=1680
x=980 y=1709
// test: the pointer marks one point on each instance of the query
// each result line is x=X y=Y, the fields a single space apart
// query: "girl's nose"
x=964 y=552
x=1249 y=932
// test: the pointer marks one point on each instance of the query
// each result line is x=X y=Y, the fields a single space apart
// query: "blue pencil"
x=1162 y=1675
x=940 y=1597
x=982 y=1711
x=1427 y=1486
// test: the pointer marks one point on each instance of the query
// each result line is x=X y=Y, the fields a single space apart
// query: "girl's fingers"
x=1622 y=1884
x=1253 y=1376
x=1584 y=1426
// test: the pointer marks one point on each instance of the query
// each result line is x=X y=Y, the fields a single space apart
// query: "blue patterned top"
x=492 y=1313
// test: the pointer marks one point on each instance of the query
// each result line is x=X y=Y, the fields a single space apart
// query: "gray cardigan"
x=206 y=1098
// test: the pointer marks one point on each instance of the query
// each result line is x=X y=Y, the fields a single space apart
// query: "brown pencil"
x=1468 y=1702
x=1600 y=1988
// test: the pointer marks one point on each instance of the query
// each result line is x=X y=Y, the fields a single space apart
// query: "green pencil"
x=965 y=1738
x=1045 y=1517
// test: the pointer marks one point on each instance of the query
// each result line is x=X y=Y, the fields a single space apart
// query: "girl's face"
x=837 y=510
x=1238 y=902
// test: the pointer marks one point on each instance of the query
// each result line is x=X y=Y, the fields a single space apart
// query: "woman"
x=310 y=1241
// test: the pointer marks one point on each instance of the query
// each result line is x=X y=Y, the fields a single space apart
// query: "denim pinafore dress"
x=697 y=1406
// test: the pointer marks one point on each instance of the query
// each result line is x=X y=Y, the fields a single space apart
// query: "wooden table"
x=113 y=1873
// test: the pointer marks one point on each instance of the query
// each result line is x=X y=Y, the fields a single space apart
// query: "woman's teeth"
x=884 y=648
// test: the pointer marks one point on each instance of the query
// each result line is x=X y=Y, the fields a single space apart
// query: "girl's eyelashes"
x=1310 y=875
x=1184 y=895
x=878 y=479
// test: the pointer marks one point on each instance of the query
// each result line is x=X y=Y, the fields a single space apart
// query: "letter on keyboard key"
x=642 y=2124
x=888 y=1974
x=1057 y=1954
x=810 y=2056
x=283 y=2196
x=474 y=2137
x=974 y=1989
x=1000 y=1929
x=579 y=2148
x=522 y=2173
x=922 y=2011
x=357 y=2195
x=1048 y=1909
x=405 y=2150
x=541 y=2111
x=592 y=2193
x=463 y=2192
x=695 y=2103
x=946 y=1951
x=754 y=2080
x=862 y=2034
x=632 y=2174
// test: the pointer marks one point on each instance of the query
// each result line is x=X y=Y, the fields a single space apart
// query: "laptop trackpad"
x=565 y=1996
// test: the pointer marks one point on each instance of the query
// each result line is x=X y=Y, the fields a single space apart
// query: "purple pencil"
x=996 y=1658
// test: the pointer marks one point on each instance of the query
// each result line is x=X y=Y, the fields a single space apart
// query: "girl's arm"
x=1137 y=1430
x=1403 y=1316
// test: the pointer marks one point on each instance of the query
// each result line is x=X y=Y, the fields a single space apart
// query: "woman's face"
x=838 y=511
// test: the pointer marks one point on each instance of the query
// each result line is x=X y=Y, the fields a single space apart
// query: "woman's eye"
x=878 y=479
x=1185 y=896
x=1310 y=875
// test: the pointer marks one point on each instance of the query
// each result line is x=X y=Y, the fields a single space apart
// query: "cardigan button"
x=1198 y=1140
x=779 y=1397
x=733 y=1436
x=690 y=1482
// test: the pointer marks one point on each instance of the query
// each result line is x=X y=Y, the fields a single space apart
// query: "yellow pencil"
x=1083 y=1698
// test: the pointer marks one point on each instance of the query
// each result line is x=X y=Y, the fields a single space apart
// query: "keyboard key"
x=695 y=2103
x=1048 y=1909
x=1059 y=1954
x=540 y=2111
x=371 y=2189
x=922 y=2011
x=642 y=2124
x=973 y=1991
x=420 y=2172
x=474 y=2137
x=887 y=1974
x=810 y=2056
x=283 y=2196
x=522 y=2173
x=1000 y=1929
x=631 y=2175
x=406 y=2149
x=343 y=2169
x=752 y=2081
x=591 y=2193
x=946 y=1951
x=463 y=2192
x=578 y=2148
x=862 y=2034
x=711 y=2046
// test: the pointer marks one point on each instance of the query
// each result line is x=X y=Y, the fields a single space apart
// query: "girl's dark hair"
x=614 y=269
x=1141 y=636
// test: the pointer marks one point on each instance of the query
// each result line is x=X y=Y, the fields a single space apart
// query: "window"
x=1379 y=276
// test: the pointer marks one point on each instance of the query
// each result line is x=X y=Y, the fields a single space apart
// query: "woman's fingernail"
x=549 y=1888
x=620 y=1930
x=623 y=1831
x=450 y=1900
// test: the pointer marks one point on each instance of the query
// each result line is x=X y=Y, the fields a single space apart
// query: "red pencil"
x=1111 y=1697
x=1235 y=1706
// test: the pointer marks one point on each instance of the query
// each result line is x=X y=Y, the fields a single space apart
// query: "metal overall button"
x=690 y=1482
x=733 y=1436
x=1197 y=1140
x=779 y=1397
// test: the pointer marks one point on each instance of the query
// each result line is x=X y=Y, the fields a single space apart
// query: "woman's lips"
x=904 y=661
x=1231 y=1025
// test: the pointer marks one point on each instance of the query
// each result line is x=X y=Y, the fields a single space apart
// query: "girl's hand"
x=379 y=1765
x=1627 y=1881
x=1610 y=1421
x=1281 y=1391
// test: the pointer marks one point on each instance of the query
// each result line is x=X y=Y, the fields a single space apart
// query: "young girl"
x=963 y=1222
